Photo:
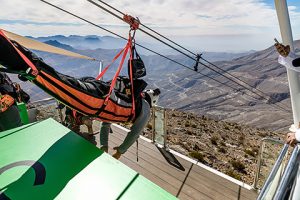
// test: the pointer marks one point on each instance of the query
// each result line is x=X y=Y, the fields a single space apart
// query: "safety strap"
x=113 y=82
x=106 y=68
x=131 y=81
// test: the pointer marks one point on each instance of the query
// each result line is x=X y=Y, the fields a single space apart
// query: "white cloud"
x=173 y=18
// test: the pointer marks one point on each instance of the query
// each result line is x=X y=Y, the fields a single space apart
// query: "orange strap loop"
x=125 y=50
x=106 y=68
x=113 y=82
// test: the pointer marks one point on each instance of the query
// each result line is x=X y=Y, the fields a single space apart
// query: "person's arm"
x=289 y=62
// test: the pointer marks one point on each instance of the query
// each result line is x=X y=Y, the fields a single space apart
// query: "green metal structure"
x=23 y=112
x=45 y=160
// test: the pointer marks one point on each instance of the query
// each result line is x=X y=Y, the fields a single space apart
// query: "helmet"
x=151 y=96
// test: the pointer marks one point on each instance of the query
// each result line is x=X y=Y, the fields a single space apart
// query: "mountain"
x=192 y=92
x=186 y=90
x=59 y=45
x=86 y=42
x=93 y=42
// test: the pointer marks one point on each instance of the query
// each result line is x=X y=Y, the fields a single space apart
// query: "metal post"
x=153 y=124
x=165 y=128
x=287 y=38
x=100 y=68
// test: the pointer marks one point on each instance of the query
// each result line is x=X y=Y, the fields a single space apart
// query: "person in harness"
x=114 y=101
x=118 y=100
x=10 y=94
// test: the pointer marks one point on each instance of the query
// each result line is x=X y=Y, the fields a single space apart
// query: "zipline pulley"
x=197 y=62
x=134 y=23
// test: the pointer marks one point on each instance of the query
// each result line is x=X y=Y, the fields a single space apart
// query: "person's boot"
x=117 y=154
x=104 y=148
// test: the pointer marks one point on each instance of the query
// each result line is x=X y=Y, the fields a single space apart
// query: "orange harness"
x=6 y=102
x=109 y=108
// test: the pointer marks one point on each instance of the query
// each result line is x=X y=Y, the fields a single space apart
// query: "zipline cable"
x=249 y=87
x=234 y=89
x=147 y=27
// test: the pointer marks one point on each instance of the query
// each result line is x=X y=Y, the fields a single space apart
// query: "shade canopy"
x=40 y=46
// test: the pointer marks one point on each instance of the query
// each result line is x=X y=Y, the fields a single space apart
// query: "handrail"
x=287 y=178
x=42 y=100
x=273 y=173
x=261 y=150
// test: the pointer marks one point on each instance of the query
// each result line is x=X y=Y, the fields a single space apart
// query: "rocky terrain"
x=226 y=146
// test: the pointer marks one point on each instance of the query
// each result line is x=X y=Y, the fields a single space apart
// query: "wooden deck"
x=197 y=181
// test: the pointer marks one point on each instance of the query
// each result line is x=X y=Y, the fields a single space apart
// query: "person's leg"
x=136 y=129
x=104 y=131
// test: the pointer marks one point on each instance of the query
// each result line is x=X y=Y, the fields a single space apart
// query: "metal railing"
x=289 y=175
x=274 y=173
x=284 y=185
x=42 y=101
x=260 y=157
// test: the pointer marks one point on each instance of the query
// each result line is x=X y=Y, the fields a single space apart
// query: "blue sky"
x=290 y=3
x=202 y=25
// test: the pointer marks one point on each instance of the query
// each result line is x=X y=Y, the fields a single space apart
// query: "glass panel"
x=159 y=125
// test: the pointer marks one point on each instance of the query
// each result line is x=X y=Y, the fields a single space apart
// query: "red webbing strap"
x=113 y=82
x=106 y=68
x=131 y=81
x=29 y=63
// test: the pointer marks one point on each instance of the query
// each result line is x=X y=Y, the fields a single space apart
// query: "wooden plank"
x=248 y=194
x=209 y=187
x=200 y=173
